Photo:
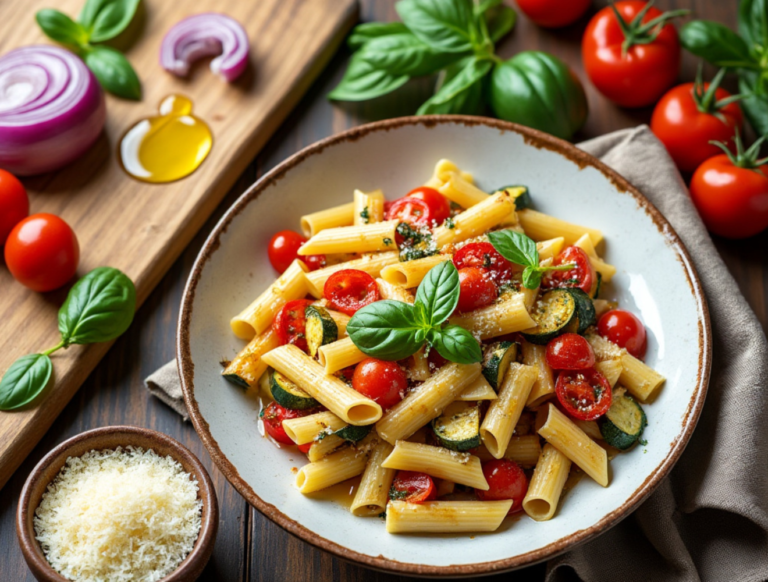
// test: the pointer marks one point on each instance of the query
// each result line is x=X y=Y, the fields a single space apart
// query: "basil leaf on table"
x=105 y=19
x=404 y=54
x=456 y=344
x=439 y=292
x=716 y=43
x=61 y=28
x=515 y=247
x=99 y=307
x=24 y=380
x=362 y=33
x=363 y=81
x=753 y=22
x=385 y=329
x=445 y=26
x=113 y=71
x=461 y=92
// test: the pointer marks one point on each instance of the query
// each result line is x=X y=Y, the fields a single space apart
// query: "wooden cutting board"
x=141 y=228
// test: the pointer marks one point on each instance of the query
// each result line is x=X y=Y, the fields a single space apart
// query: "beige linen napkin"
x=709 y=520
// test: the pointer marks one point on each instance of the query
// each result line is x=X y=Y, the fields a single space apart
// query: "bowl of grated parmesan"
x=118 y=503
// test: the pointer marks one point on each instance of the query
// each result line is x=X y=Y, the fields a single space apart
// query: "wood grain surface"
x=142 y=228
x=250 y=547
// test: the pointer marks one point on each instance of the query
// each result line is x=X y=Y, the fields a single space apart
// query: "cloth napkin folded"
x=708 y=520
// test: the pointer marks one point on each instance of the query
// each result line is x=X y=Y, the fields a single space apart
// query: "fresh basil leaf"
x=445 y=26
x=716 y=43
x=61 y=28
x=755 y=106
x=113 y=71
x=105 y=19
x=462 y=93
x=439 y=292
x=404 y=54
x=362 y=33
x=386 y=330
x=485 y=5
x=515 y=247
x=363 y=81
x=420 y=314
x=500 y=20
x=753 y=22
x=24 y=380
x=456 y=344
x=531 y=277
x=99 y=307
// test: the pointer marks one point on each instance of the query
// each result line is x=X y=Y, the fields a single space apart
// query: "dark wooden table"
x=249 y=546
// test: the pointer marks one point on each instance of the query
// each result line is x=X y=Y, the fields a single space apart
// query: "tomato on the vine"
x=554 y=13
x=439 y=207
x=506 y=480
x=581 y=276
x=570 y=351
x=381 y=381
x=631 y=52
x=349 y=290
x=273 y=417
x=283 y=248
x=624 y=329
x=413 y=487
x=14 y=204
x=483 y=254
x=476 y=288
x=290 y=323
x=584 y=394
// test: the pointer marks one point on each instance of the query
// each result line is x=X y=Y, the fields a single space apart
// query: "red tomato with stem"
x=273 y=417
x=283 y=249
x=476 y=288
x=483 y=254
x=349 y=290
x=584 y=394
x=439 y=207
x=42 y=252
x=381 y=381
x=625 y=330
x=290 y=323
x=14 y=204
x=413 y=487
x=554 y=13
x=631 y=53
x=570 y=351
x=413 y=211
x=506 y=480
x=581 y=276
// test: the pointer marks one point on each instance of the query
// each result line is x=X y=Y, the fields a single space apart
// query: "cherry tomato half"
x=349 y=290
x=413 y=487
x=483 y=254
x=506 y=480
x=283 y=249
x=582 y=276
x=42 y=252
x=273 y=417
x=290 y=323
x=625 y=330
x=413 y=211
x=381 y=381
x=570 y=351
x=439 y=207
x=553 y=13
x=305 y=447
x=14 y=204
x=476 y=288
x=584 y=394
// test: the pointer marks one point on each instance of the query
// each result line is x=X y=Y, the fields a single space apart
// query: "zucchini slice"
x=353 y=433
x=320 y=328
x=496 y=361
x=553 y=312
x=598 y=284
x=458 y=427
x=288 y=395
x=520 y=194
x=624 y=422
x=585 y=311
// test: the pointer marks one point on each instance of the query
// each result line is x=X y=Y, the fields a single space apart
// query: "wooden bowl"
x=111 y=437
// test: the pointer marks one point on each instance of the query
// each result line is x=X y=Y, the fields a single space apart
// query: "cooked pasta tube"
x=335 y=468
x=458 y=190
x=606 y=271
x=258 y=316
x=544 y=387
x=373 y=493
x=476 y=220
x=396 y=292
x=410 y=273
x=305 y=429
x=497 y=319
x=461 y=468
x=547 y=484
x=325 y=446
x=549 y=249
x=524 y=450
x=379 y=236
x=480 y=389
x=341 y=320
x=371 y=264
x=504 y=412
x=427 y=401
x=369 y=207
x=443 y=170
x=446 y=516
x=641 y=380
x=604 y=349
x=569 y=439
x=611 y=369
x=342 y=215
x=418 y=366
x=541 y=227
x=590 y=428
x=247 y=367
x=345 y=402
x=338 y=355
x=602 y=306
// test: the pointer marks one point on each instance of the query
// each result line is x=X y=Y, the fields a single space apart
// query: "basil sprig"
x=393 y=330
x=98 y=308
x=520 y=249
x=99 y=21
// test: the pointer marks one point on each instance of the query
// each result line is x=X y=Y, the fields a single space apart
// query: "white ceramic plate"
x=655 y=279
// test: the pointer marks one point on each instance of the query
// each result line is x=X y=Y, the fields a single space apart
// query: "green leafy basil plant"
x=456 y=38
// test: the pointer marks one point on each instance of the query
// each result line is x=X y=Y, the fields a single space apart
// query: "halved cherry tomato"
x=506 y=480
x=381 y=381
x=273 y=417
x=283 y=249
x=570 y=351
x=305 y=447
x=413 y=487
x=42 y=252
x=582 y=276
x=290 y=323
x=14 y=204
x=625 y=330
x=476 y=287
x=483 y=254
x=553 y=13
x=346 y=374
x=349 y=290
x=439 y=207
x=413 y=211
x=585 y=394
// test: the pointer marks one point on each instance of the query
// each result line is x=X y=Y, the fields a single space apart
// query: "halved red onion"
x=51 y=109
x=204 y=35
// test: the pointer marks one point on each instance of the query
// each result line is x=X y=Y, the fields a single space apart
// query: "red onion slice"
x=204 y=35
x=51 y=109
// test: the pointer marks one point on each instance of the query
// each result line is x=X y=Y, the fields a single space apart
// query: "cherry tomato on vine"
x=413 y=487
x=482 y=254
x=14 y=204
x=625 y=330
x=570 y=351
x=42 y=252
x=584 y=394
x=349 y=290
x=439 y=207
x=506 y=480
x=581 y=276
x=381 y=381
x=413 y=211
x=273 y=417
x=290 y=323
x=631 y=53
x=554 y=13
x=476 y=288
x=283 y=249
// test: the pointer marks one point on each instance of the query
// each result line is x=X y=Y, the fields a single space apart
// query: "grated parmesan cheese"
x=123 y=515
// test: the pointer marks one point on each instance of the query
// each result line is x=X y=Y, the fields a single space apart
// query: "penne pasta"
x=611 y=369
x=335 y=468
x=523 y=450
x=606 y=271
x=461 y=468
x=446 y=516
x=547 y=484
x=418 y=367
x=247 y=367
x=476 y=220
x=541 y=227
x=480 y=389
x=364 y=238
x=373 y=493
x=394 y=292
x=497 y=319
x=544 y=386
x=369 y=207
x=324 y=446
x=340 y=354
x=305 y=429
x=549 y=249
x=410 y=273
x=463 y=193
x=334 y=217
x=371 y=264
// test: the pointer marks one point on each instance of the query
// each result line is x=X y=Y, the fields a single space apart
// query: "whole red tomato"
x=553 y=13
x=14 y=204
x=570 y=351
x=506 y=480
x=381 y=381
x=624 y=329
x=476 y=288
x=283 y=248
x=632 y=61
